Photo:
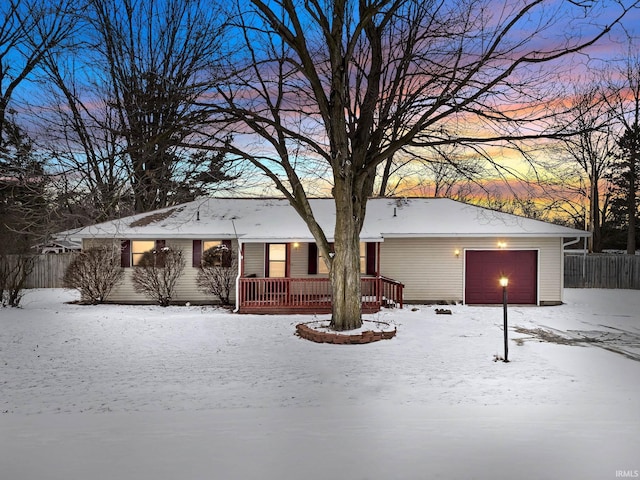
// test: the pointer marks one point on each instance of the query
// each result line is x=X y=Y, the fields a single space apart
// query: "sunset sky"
x=511 y=165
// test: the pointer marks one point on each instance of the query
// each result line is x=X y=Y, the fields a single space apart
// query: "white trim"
x=302 y=240
x=481 y=235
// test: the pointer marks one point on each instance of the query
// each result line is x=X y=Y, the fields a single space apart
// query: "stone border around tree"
x=305 y=330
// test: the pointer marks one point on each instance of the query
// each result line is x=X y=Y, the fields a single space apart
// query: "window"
x=207 y=244
x=277 y=260
x=217 y=260
x=139 y=248
x=213 y=260
x=132 y=251
x=322 y=267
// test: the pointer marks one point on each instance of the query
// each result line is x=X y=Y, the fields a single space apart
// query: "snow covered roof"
x=274 y=220
x=59 y=246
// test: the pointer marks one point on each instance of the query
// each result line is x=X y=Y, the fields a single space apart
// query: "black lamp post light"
x=504 y=282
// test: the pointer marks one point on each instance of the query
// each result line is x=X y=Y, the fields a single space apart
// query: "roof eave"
x=487 y=235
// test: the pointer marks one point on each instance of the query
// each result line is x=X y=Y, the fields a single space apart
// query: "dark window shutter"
x=287 y=260
x=266 y=260
x=125 y=253
x=160 y=244
x=226 y=258
x=313 y=259
x=196 y=256
x=371 y=258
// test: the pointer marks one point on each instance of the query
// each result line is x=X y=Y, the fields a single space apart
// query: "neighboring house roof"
x=59 y=246
x=274 y=220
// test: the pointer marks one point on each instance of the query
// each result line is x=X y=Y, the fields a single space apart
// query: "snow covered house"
x=415 y=250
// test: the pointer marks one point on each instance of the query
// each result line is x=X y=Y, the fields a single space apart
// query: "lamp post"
x=504 y=282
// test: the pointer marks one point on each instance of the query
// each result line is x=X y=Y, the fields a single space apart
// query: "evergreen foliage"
x=625 y=204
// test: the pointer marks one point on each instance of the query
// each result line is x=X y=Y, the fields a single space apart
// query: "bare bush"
x=157 y=273
x=94 y=273
x=14 y=270
x=217 y=273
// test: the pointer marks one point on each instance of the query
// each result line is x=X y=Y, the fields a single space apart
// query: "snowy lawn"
x=142 y=392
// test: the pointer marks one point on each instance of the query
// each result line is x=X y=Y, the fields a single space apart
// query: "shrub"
x=94 y=273
x=157 y=273
x=14 y=270
x=216 y=275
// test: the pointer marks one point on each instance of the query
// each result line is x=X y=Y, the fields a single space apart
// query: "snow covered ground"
x=142 y=392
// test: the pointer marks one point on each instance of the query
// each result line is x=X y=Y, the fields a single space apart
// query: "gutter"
x=240 y=266
x=572 y=242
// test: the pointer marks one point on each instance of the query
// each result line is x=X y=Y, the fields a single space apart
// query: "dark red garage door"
x=484 y=268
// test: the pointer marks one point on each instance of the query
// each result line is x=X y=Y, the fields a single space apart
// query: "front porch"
x=311 y=295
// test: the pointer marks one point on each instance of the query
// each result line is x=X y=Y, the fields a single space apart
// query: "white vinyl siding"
x=431 y=271
x=299 y=260
x=254 y=259
x=428 y=267
x=186 y=289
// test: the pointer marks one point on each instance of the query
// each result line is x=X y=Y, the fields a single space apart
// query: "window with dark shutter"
x=226 y=259
x=160 y=244
x=196 y=255
x=371 y=258
x=125 y=253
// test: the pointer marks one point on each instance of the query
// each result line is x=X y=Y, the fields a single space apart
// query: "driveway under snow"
x=102 y=392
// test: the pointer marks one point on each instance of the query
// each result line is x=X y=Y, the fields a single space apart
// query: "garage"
x=484 y=268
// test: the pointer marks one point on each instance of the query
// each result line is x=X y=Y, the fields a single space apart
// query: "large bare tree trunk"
x=596 y=227
x=345 y=267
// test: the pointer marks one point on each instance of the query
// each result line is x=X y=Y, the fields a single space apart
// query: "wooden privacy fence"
x=48 y=269
x=602 y=271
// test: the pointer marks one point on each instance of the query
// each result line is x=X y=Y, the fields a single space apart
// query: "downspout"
x=584 y=261
x=584 y=254
x=240 y=266
x=240 y=274
x=572 y=242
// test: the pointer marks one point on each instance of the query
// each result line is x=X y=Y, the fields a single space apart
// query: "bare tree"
x=126 y=101
x=218 y=272
x=342 y=85
x=14 y=271
x=29 y=29
x=580 y=164
x=80 y=133
x=625 y=100
x=94 y=273
x=157 y=273
x=443 y=171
